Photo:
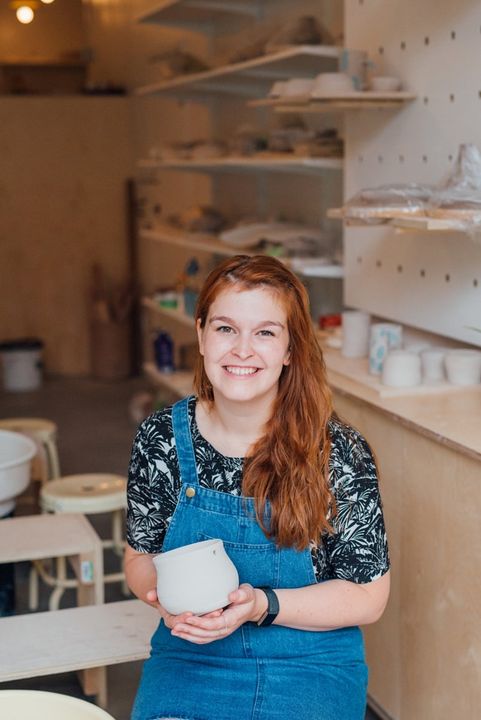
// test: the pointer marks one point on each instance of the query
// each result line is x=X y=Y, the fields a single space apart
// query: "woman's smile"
x=245 y=344
x=241 y=371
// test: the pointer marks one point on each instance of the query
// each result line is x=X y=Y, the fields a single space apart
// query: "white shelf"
x=209 y=243
x=197 y=241
x=180 y=381
x=250 y=76
x=204 y=15
x=262 y=161
x=366 y=100
x=171 y=313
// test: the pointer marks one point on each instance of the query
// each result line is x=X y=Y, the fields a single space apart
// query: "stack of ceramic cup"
x=355 y=333
x=384 y=337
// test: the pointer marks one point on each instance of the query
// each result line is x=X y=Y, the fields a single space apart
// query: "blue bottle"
x=164 y=352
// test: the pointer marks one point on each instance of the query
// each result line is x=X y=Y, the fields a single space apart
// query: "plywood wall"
x=64 y=164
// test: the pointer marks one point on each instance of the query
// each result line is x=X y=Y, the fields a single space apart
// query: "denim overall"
x=270 y=673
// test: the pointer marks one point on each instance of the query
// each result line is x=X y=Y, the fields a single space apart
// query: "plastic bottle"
x=164 y=352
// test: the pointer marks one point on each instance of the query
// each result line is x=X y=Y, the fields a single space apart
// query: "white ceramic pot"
x=16 y=452
x=385 y=83
x=297 y=86
x=331 y=84
x=463 y=366
x=401 y=369
x=432 y=362
x=355 y=333
x=196 y=578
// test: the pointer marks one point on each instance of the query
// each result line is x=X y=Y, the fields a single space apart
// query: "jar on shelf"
x=164 y=352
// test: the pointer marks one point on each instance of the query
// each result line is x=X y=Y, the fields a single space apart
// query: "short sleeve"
x=358 y=550
x=153 y=484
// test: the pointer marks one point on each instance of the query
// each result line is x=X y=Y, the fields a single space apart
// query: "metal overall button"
x=190 y=492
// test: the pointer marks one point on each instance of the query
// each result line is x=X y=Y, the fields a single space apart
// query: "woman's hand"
x=245 y=605
x=171 y=620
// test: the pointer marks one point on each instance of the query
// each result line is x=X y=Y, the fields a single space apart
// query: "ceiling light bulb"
x=47 y=2
x=24 y=14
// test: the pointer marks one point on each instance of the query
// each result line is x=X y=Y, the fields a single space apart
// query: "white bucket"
x=22 y=364
x=16 y=452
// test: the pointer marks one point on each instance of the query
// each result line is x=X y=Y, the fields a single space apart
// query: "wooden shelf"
x=180 y=382
x=415 y=224
x=42 y=62
x=262 y=161
x=332 y=103
x=171 y=313
x=252 y=76
x=203 y=15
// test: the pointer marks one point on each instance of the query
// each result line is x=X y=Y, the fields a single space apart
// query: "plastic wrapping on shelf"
x=380 y=204
x=459 y=197
x=457 y=200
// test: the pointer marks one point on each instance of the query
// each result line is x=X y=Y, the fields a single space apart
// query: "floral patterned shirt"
x=357 y=551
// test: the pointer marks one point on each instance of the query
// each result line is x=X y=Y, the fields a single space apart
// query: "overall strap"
x=183 y=441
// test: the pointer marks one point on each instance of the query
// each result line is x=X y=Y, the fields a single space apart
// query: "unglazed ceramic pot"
x=196 y=578
x=355 y=333
x=401 y=369
x=463 y=366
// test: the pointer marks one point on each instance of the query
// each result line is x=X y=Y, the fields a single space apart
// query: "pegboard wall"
x=430 y=281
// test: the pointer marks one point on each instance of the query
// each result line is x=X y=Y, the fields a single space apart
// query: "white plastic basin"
x=16 y=452
x=40 y=705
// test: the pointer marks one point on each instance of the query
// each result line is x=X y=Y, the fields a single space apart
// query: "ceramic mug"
x=196 y=578
x=384 y=337
x=355 y=333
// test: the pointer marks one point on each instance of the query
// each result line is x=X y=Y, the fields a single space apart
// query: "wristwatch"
x=268 y=617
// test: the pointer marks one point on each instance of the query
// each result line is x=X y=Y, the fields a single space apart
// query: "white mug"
x=355 y=333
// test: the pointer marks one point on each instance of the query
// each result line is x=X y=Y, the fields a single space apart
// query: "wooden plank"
x=78 y=638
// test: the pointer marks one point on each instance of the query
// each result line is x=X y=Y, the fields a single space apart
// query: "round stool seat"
x=88 y=493
x=44 y=429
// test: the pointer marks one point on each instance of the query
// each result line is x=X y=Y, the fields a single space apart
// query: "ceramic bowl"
x=297 y=86
x=332 y=84
x=385 y=83
x=401 y=369
x=463 y=366
x=277 y=89
x=196 y=578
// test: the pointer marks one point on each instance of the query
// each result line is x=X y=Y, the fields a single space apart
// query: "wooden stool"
x=44 y=433
x=91 y=494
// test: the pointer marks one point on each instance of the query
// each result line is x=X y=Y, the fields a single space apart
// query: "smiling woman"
x=258 y=460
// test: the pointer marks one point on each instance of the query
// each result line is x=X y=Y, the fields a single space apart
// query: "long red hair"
x=289 y=464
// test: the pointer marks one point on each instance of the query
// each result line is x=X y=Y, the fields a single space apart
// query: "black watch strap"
x=268 y=617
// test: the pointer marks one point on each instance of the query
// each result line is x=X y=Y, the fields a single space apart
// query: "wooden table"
x=38 y=537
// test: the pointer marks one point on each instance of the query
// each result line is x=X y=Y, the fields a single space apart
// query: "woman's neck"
x=232 y=428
